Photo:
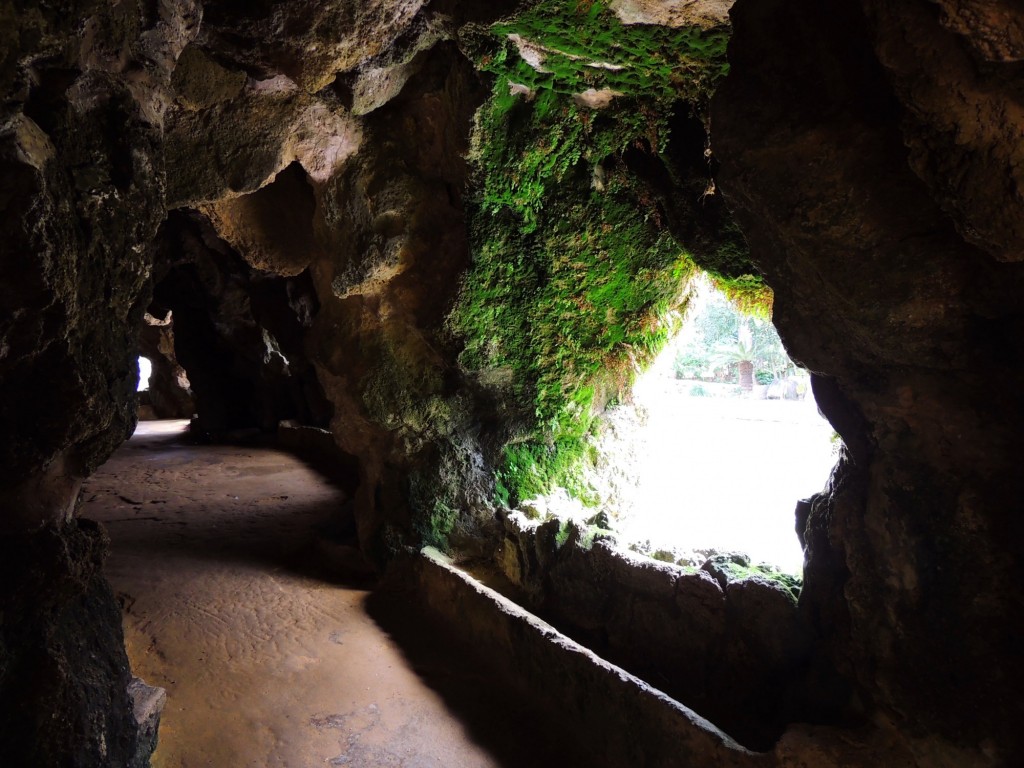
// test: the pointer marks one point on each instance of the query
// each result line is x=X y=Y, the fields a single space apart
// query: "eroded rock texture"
x=81 y=190
x=64 y=679
x=80 y=142
x=285 y=180
x=871 y=153
x=238 y=332
x=394 y=227
x=735 y=649
x=329 y=160
x=289 y=180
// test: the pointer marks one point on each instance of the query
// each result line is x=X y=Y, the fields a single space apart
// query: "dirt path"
x=265 y=662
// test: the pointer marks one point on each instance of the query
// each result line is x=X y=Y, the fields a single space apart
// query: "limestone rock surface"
x=869 y=153
x=82 y=193
x=64 y=679
x=736 y=651
x=291 y=179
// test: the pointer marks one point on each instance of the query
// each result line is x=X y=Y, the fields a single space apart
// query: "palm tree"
x=742 y=354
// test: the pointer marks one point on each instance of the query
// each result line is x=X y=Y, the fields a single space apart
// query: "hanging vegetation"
x=575 y=280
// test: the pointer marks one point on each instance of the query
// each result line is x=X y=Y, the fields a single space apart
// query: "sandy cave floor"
x=267 y=659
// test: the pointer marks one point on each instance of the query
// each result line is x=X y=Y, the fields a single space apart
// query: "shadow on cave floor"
x=269 y=658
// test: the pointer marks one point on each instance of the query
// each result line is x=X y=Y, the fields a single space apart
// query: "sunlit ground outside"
x=714 y=467
x=724 y=473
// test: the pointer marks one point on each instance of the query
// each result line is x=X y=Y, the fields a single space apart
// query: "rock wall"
x=870 y=152
x=239 y=332
x=623 y=721
x=332 y=157
x=81 y=195
x=291 y=179
x=726 y=641
x=207 y=155
x=82 y=168
x=64 y=678
x=393 y=225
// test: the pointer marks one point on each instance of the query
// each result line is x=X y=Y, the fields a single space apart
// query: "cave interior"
x=432 y=241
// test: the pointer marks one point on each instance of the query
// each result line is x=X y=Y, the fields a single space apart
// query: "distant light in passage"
x=145 y=371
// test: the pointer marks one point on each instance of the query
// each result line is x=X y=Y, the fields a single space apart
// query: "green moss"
x=570 y=308
x=748 y=293
x=436 y=527
x=405 y=392
x=584 y=45
x=593 y=534
x=575 y=280
x=581 y=535
x=737 y=572
x=565 y=529
x=444 y=490
x=435 y=504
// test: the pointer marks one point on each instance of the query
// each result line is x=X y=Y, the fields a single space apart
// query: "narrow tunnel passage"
x=219 y=561
x=471 y=216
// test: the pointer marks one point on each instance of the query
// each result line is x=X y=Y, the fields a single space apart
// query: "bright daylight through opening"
x=145 y=371
x=722 y=438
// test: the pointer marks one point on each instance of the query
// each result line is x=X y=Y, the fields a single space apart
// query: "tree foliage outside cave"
x=715 y=333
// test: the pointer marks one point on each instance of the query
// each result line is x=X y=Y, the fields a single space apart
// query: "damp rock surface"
x=730 y=644
x=304 y=174
x=64 y=678
x=867 y=154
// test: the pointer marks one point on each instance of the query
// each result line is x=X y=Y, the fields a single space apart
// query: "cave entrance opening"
x=145 y=371
x=721 y=438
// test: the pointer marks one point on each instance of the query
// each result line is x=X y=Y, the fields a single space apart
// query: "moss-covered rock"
x=577 y=271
